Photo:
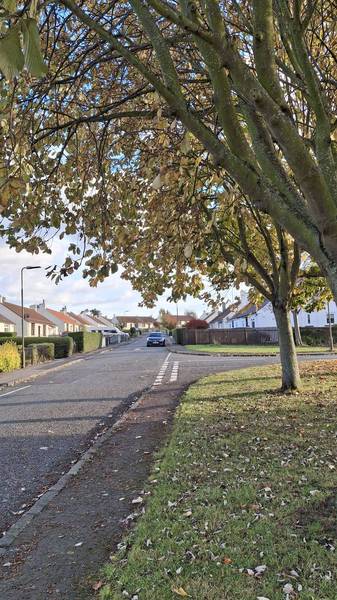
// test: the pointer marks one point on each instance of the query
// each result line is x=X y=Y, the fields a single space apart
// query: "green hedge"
x=9 y=357
x=317 y=336
x=8 y=334
x=86 y=341
x=39 y=353
x=64 y=345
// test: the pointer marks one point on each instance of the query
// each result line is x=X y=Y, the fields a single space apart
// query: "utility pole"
x=330 y=329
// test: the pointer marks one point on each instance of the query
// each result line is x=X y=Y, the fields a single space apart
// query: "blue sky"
x=113 y=297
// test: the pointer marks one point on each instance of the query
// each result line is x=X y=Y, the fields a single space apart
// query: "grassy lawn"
x=237 y=349
x=242 y=503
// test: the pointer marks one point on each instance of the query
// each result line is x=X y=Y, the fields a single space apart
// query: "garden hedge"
x=86 y=341
x=8 y=334
x=64 y=345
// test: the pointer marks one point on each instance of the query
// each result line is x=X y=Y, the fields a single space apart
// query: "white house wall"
x=264 y=317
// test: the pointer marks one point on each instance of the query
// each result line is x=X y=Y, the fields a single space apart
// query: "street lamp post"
x=23 y=315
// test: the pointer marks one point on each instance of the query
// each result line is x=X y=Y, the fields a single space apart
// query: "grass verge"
x=242 y=503
x=238 y=349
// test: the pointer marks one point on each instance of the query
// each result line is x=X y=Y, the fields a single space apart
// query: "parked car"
x=156 y=338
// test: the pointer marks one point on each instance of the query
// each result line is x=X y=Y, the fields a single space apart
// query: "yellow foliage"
x=9 y=357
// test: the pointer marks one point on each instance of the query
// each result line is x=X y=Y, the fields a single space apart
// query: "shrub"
x=8 y=334
x=86 y=341
x=132 y=331
x=317 y=336
x=9 y=357
x=31 y=355
x=64 y=345
x=197 y=324
x=46 y=351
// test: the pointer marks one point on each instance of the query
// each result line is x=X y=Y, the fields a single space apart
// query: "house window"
x=233 y=324
x=253 y=324
x=246 y=320
x=309 y=318
x=33 y=328
x=44 y=330
x=6 y=328
x=39 y=330
x=332 y=318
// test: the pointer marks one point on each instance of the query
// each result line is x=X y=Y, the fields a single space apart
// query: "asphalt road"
x=46 y=425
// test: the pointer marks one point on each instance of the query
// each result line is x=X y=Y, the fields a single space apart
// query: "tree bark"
x=298 y=337
x=290 y=372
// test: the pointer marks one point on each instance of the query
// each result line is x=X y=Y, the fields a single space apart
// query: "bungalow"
x=34 y=324
x=6 y=325
x=181 y=320
x=263 y=317
x=83 y=324
x=142 y=323
x=61 y=319
x=217 y=319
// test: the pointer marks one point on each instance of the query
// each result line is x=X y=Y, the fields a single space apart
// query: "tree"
x=95 y=312
x=167 y=320
x=254 y=83
x=197 y=324
x=311 y=293
x=204 y=236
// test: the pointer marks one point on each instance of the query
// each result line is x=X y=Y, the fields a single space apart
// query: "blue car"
x=156 y=338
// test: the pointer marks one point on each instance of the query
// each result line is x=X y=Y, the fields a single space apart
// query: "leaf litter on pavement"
x=244 y=505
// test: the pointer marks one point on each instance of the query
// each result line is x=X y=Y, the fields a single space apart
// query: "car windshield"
x=155 y=334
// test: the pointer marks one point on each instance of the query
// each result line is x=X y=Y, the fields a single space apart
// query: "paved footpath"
x=55 y=553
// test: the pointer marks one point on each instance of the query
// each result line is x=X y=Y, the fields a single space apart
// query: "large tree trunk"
x=298 y=337
x=290 y=372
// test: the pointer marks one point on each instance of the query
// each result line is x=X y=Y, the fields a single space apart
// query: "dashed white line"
x=159 y=379
x=174 y=372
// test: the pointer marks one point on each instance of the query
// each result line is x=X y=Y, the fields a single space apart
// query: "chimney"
x=43 y=303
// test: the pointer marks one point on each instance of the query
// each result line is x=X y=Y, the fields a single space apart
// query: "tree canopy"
x=132 y=87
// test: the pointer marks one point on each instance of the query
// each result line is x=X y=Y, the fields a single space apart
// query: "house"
x=218 y=318
x=34 y=324
x=142 y=323
x=90 y=320
x=263 y=317
x=180 y=320
x=108 y=322
x=83 y=324
x=64 y=322
x=6 y=325
x=250 y=315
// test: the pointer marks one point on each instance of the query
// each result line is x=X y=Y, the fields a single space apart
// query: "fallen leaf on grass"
x=97 y=585
x=180 y=591
x=226 y=560
x=138 y=500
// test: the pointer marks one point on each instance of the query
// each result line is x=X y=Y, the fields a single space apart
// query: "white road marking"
x=174 y=372
x=14 y=391
x=159 y=379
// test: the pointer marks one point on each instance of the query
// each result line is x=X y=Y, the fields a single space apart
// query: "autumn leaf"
x=180 y=592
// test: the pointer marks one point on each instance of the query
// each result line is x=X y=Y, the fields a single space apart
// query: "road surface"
x=46 y=425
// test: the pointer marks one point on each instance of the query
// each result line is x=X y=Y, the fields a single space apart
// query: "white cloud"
x=113 y=296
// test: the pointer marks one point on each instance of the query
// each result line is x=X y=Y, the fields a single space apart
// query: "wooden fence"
x=239 y=335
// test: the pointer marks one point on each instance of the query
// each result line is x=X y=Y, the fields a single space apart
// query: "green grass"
x=238 y=349
x=248 y=479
